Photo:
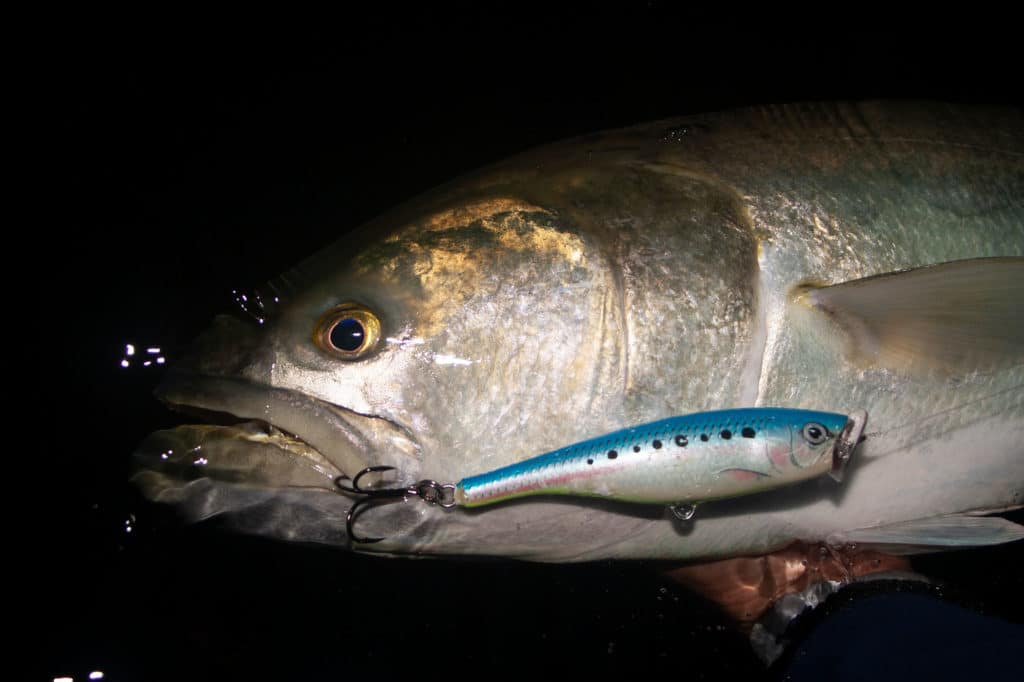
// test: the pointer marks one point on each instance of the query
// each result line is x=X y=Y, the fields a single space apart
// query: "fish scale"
x=680 y=459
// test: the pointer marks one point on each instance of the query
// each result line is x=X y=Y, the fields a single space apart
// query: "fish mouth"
x=259 y=441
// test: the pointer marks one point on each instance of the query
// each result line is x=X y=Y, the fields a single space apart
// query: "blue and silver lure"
x=676 y=462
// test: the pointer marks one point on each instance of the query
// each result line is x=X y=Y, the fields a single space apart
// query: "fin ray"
x=934 y=534
x=953 y=317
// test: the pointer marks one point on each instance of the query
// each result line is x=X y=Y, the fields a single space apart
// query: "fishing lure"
x=676 y=462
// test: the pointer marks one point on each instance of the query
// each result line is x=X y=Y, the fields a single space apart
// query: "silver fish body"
x=621 y=278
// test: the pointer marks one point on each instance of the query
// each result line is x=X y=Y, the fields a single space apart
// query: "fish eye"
x=347 y=331
x=814 y=433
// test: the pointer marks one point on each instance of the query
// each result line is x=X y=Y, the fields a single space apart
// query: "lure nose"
x=846 y=443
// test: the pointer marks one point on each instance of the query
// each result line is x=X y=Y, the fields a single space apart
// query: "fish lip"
x=332 y=430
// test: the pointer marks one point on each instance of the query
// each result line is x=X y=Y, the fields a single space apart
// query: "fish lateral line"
x=1016 y=388
x=676 y=462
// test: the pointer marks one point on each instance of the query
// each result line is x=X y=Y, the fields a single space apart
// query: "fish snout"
x=229 y=347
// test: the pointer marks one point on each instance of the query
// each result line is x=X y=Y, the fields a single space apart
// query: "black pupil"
x=348 y=334
x=814 y=432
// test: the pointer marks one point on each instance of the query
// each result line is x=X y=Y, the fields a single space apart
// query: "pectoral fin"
x=941 y=532
x=954 y=317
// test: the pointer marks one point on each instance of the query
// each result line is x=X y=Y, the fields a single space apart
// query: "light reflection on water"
x=153 y=356
x=94 y=675
x=255 y=305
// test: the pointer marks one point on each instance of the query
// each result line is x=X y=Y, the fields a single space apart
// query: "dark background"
x=186 y=156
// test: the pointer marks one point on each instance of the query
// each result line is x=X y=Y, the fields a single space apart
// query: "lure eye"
x=348 y=331
x=814 y=433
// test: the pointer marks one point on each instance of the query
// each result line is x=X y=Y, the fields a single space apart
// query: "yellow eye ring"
x=348 y=331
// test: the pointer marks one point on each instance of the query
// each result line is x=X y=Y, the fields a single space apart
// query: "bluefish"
x=822 y=257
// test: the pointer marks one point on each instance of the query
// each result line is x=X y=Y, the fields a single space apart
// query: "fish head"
x=450 y=343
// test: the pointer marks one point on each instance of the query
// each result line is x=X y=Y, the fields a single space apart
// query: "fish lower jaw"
x=248 y=425
x=346 y=439
x=223 y=425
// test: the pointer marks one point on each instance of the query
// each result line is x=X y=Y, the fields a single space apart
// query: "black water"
x=186 y=158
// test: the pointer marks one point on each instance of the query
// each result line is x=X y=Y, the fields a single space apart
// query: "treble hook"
x=432 y=492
